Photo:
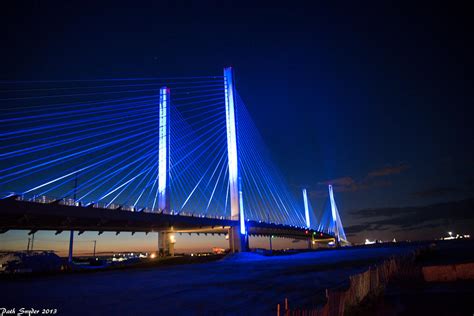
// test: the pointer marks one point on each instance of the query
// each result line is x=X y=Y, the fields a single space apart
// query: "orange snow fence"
x=361 y=285
x=448 y=273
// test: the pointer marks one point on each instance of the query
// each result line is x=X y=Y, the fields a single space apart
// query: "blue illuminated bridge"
x=166 y=155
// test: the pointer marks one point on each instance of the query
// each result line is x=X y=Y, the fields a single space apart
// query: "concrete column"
x=166 y=241
x=164 y=151
x=237 y=234
x=163 y=244
x=334 y=215
x=32 y=241
x=306 y=208
x=237 y=241
x=71 y=243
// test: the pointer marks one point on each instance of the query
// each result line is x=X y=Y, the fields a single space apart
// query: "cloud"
x=436 y=192
x=349 y=184
x=415 y=217
x=355 y=229
x=433 y=224
x=343 y=182
x=389 y=170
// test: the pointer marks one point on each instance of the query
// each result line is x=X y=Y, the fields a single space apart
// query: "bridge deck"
x=17 y=214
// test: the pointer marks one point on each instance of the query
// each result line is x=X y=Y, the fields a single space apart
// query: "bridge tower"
x=306 y=214
x=238 y=237
x=164 y=151
x=334 y=215
x=165 y=239
x=306 y=208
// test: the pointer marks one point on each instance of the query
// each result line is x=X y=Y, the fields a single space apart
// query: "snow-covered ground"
x=245 y=284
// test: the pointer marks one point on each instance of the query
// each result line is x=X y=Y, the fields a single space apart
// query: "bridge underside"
x=17 y=214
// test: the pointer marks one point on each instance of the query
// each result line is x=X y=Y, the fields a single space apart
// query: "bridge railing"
x=43 y=199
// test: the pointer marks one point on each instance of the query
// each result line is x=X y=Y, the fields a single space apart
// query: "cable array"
x=96 y=142
x=328 y=225
x=198 y=153
x=88 y=141
x=267 y=197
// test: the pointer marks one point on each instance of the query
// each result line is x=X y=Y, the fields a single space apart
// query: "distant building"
x=218 y=251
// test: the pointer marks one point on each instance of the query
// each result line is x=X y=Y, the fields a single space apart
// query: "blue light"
x=163 y=154
x=241 y=217
x=306 y=208
x=231 y=143
x=119 y=155
x=333 y=204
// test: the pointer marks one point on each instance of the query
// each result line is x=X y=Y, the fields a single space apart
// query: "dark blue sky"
x=375 y=97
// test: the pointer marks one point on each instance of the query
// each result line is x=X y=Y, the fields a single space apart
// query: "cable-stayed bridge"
x=145 y=154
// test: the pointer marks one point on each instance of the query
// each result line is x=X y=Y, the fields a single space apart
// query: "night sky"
x=374 y=98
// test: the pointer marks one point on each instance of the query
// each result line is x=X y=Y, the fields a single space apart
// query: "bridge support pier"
x=238 y=242
x=166 y=241
x=71 y=243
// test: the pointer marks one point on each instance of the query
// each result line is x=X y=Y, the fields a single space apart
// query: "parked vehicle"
x=29 y=261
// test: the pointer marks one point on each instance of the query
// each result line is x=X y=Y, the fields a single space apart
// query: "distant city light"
x=457 y=236
x=369 y=242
